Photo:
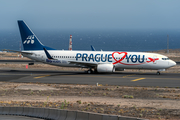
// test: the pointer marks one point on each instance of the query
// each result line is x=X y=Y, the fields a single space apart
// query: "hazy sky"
x=91 y=14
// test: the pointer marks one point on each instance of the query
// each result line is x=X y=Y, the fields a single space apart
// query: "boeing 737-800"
x=99 y=61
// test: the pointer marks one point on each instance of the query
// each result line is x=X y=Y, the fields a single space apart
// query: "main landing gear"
x=158 y=73
x=90 y=71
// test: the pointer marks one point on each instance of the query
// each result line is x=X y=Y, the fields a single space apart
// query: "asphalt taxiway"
x=80 y=77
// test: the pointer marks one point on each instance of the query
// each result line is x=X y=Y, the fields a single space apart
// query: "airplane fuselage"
x=121 y=60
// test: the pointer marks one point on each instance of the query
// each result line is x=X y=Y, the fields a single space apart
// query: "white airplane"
x=96 y=61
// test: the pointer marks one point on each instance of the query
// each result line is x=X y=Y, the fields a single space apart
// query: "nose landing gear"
x=158 y=72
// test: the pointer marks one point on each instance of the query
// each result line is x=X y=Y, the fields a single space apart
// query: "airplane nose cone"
x=172 y=63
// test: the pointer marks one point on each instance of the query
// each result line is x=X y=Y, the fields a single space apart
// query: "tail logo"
x=29 y=39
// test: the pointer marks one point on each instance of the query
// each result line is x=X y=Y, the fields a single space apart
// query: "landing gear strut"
x=158 y=71
x=90 y=71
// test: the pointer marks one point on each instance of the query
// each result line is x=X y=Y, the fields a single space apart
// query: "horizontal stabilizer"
x=18 y=51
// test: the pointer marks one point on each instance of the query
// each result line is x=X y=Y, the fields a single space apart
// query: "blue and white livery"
x=97 y=61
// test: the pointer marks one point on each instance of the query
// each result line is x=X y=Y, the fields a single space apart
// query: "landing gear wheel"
x=90 y=71
x=158 y=73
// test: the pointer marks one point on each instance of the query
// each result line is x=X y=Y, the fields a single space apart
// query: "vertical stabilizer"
x=29 y=39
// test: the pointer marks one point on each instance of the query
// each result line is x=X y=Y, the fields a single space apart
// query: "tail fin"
x=29 y=39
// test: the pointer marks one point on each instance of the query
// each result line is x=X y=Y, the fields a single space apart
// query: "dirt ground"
x=144 y=102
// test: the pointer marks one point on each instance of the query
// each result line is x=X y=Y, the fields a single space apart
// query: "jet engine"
x=105 y=68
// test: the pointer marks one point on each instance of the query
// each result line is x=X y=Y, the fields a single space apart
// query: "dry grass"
x=146 y=102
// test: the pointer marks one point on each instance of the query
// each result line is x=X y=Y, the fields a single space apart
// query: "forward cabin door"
x=154 y=57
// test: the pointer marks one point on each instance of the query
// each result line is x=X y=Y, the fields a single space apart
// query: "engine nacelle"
x=106 y=68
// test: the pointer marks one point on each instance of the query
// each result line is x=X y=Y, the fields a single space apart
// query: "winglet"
x=47 y=54
x=92 y=48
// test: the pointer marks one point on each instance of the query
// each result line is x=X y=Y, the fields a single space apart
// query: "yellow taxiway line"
x=128 y=76
x=42 y=76
x=138 y=79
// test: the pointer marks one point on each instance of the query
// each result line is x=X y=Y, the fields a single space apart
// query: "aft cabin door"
x=39 y=57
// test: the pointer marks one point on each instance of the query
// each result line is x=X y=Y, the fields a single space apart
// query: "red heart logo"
x=119 y=61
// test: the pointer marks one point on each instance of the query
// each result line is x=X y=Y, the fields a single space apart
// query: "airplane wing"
x=89 y=64
x=81 y=63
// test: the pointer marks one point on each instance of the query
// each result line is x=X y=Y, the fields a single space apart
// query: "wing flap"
x=89 y=64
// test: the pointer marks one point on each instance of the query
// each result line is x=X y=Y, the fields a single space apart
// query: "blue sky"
x=91 y=14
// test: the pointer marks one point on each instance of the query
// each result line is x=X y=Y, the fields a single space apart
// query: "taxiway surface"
x=79 y=77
